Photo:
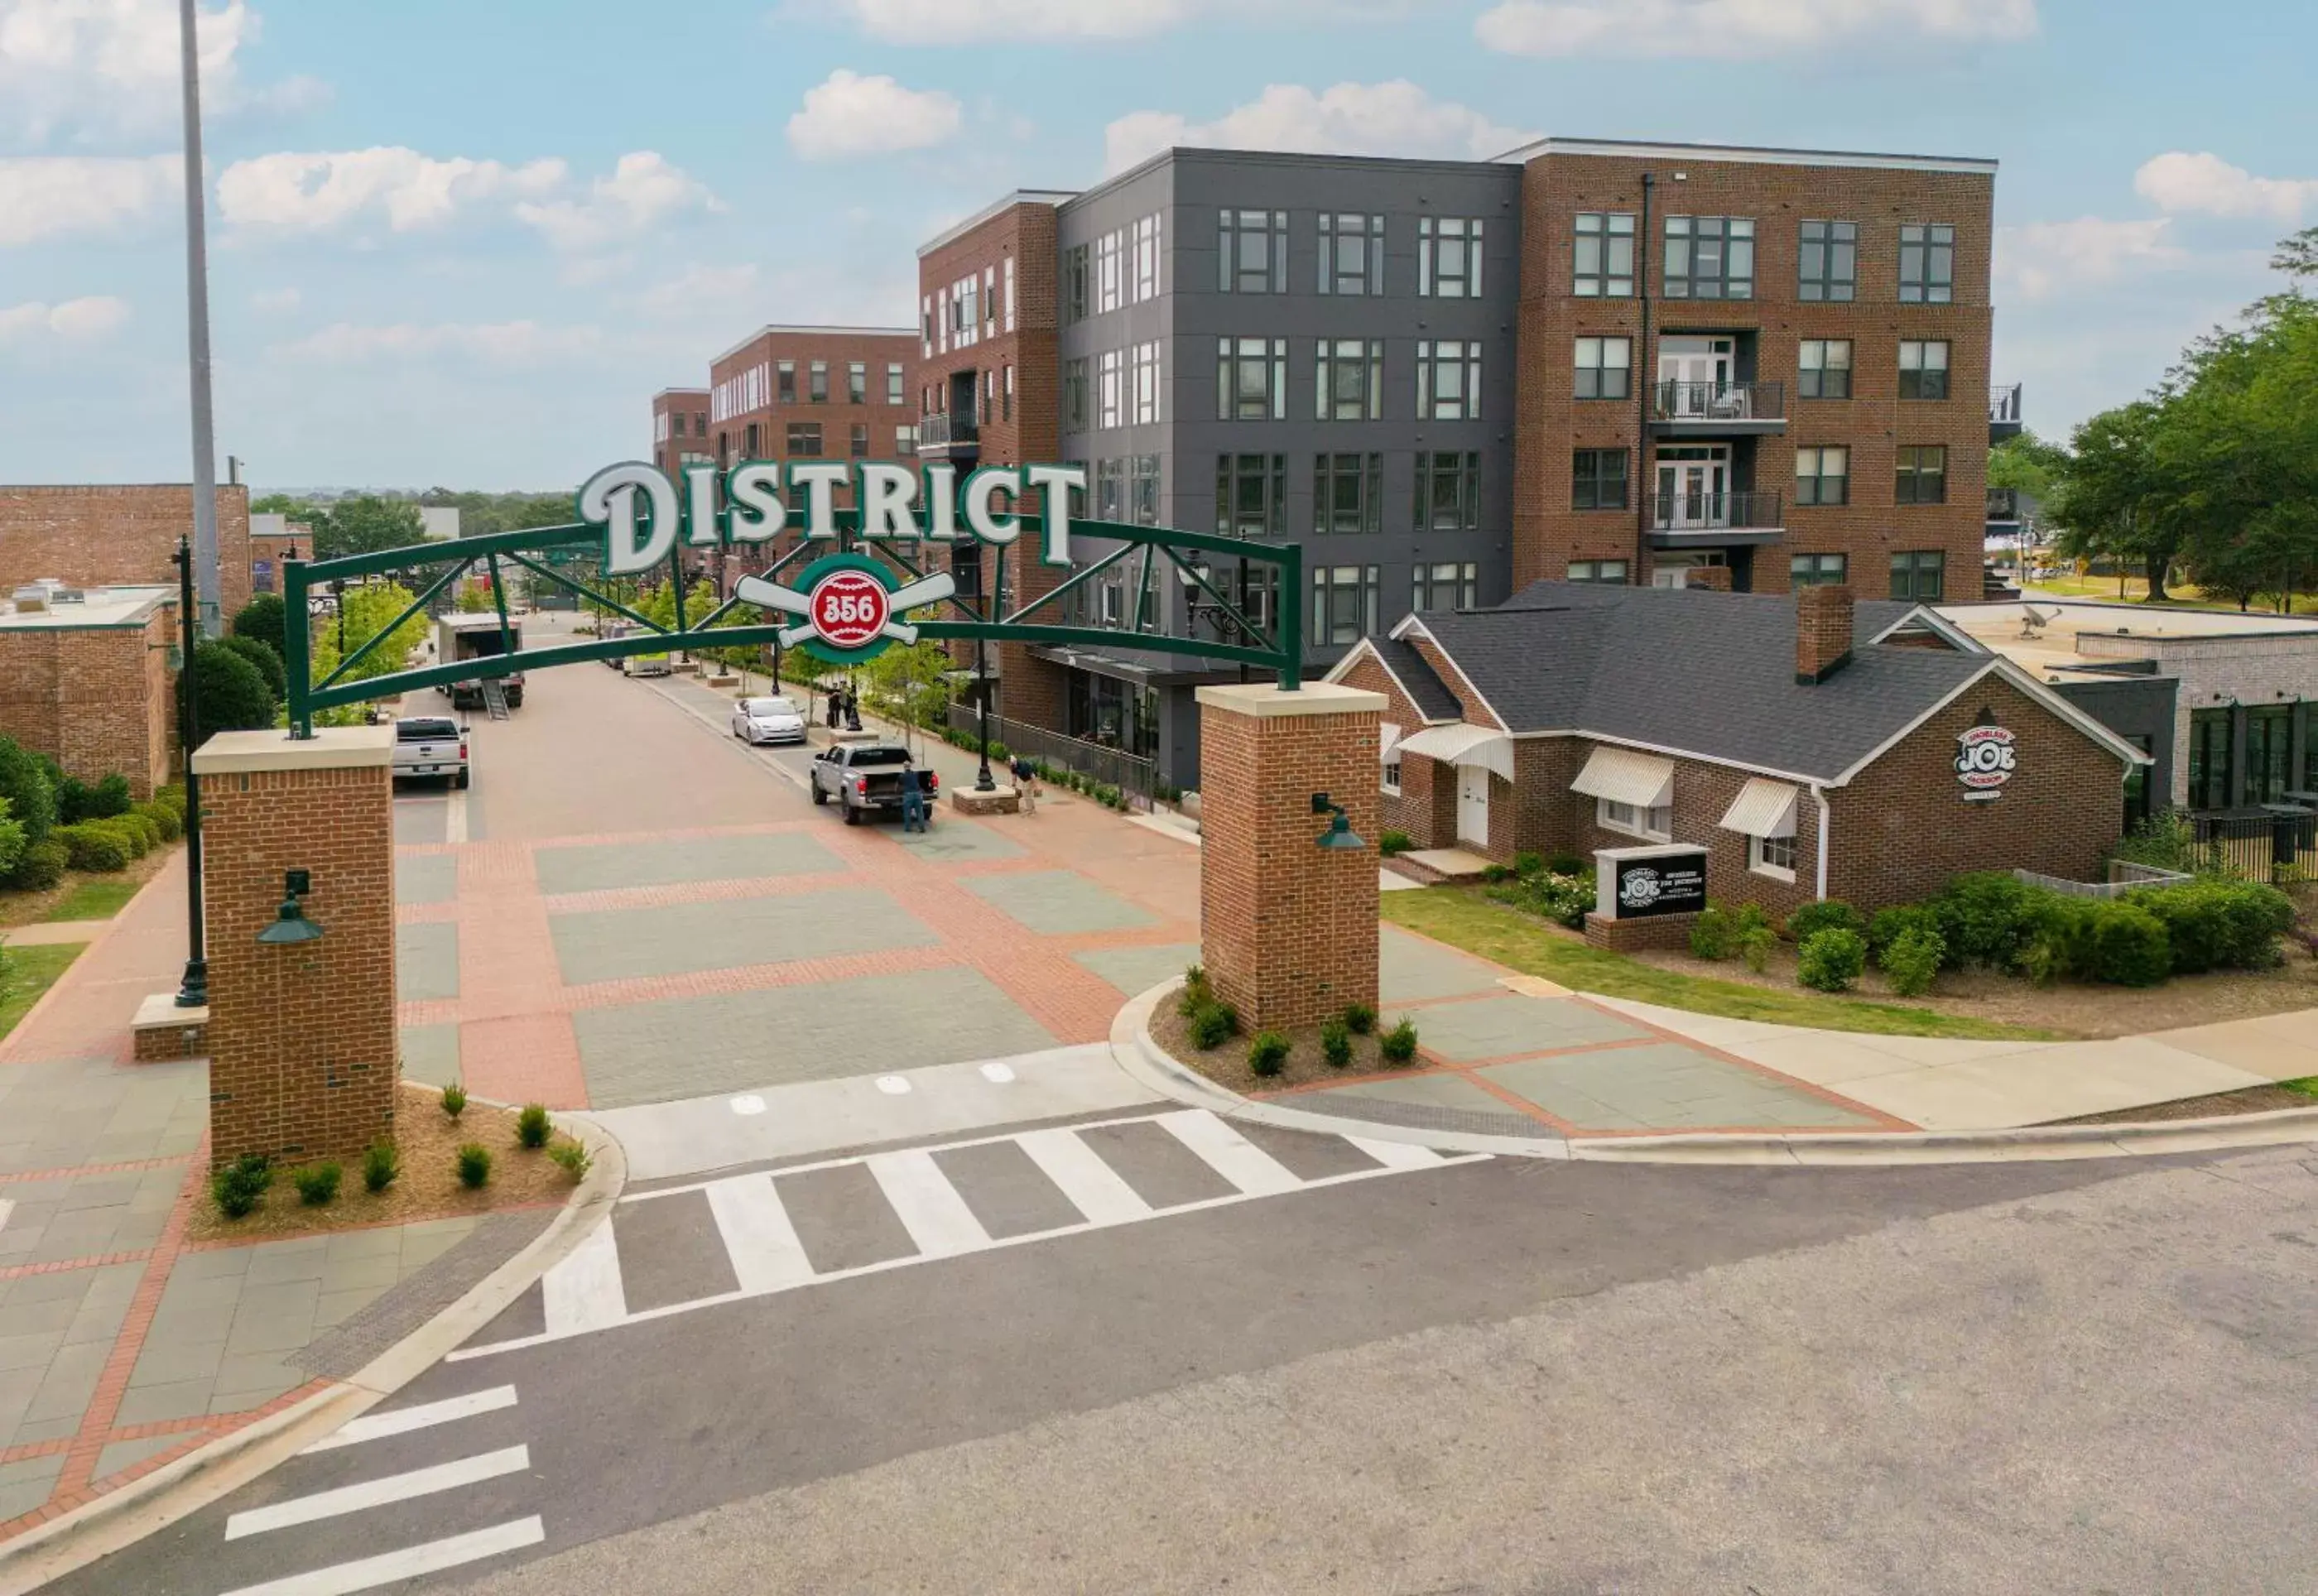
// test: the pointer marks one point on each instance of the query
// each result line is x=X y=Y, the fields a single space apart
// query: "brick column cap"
x=331 y=747
x=1264 y=703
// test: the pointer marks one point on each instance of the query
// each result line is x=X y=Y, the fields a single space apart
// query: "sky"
x=463 y=244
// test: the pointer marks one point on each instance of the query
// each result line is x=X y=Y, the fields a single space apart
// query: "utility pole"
x=197 y=333
x=193 y=990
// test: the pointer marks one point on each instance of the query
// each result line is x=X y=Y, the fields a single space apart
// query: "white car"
x=767 y=719
x=431 y=745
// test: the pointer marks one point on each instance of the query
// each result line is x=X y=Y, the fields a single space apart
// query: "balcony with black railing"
x=1704 y=410
x=1711 y=520
x=2004 y=413
x=2004 y=507
x=948 y=438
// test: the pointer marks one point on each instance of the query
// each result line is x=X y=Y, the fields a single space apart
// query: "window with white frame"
x=1611 y=572
x=966 y=312
x=857 y=382
x=1010 y=293
x=1006 y=394
x=1389 y=773
x=1252 y=379
x=1110 y=388
x=1111 y=271
x=1633 y=820
x=926 y=325
x=1146 y=384
x=1350 y=379
x=1147 y=259
x=1343 y=603
x=1448 y=258
x=989 y=301
x=1772 y=856
x=1449 y=379
x=893 y=392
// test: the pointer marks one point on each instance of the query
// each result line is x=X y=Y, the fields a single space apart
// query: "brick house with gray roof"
x=1815 y=746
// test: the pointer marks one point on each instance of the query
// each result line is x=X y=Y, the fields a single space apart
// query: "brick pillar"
x=1822 y=632
x=303 y=1050
x=1287 y=929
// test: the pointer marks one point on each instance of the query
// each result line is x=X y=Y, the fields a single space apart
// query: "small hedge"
x=2220 y=925
x=92 y=847
x=1911 y=960
x=1831 y=959
x=169 y=822
x=1828 y=914
x=43 y=866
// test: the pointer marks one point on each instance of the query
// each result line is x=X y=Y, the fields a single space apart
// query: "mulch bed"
x=428 y=1189
x=1227 y=1064
x=2251 y=1099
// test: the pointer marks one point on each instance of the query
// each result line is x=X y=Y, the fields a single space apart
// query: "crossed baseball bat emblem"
x=772 y=596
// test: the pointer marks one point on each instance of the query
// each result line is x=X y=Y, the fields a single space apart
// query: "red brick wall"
x=89 y=536
x=681 y=406
x=303 y=1054
x=836 y=418
x=1551 y=423
x=95 y=700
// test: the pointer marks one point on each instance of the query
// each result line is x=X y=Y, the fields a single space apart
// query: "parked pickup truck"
x=866 y=778
x=431 y=745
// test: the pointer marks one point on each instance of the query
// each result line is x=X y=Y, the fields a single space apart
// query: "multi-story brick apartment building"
x=680 y=430
x=1775 y=362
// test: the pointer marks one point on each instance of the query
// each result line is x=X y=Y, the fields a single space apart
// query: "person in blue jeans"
x=914 y=816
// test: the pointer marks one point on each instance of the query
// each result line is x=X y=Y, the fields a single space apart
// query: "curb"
x=1133 y=1049
x=155 y=1501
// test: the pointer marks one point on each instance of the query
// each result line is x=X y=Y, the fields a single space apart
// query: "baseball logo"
x=849 y=608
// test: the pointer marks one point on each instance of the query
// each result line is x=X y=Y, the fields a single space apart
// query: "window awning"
x=1621 y=775
x=1763 y=809
x=1387 y=739
x=1464 y=744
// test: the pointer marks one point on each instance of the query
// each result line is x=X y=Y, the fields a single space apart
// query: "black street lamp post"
x=193 y=990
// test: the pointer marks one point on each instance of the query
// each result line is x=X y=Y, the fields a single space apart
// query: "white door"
x=1699 y=372
x=1694 y=491
x=1473 y=804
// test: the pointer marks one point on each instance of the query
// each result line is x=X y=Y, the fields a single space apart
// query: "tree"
x=267 y=661
x=2116 y=498
x=365 y=612
x=12 y=844
x=262 y=619
x=27 y=789
x=913 y=680
x=2028 y=463
x=281 y=504
x=365 y=525
x=229 y=695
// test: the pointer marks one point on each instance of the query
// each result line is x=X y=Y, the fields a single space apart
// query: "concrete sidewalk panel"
x=1411 y=969
x=1058 y=902
x=1133 y=969
x=591 y=867
x=426 y=961
x=730 y=934
x=1506 y=1024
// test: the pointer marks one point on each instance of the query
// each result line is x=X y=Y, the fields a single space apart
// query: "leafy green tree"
x=261 y=618
x=366 y=524
x=267 y=661
x=281 y=504
x=2028 y=463
x=229 y=693
x=27 y=789
x=365 y=612
x=12 y=844
x=913 y=681
x=2117 y=497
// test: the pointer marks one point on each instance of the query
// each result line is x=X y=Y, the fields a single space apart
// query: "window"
x=1390 y=770
x=1923 y=474
x=786 y=371
x=1010 y=293
x=893 y=382
x=859 y=441
x=905 y=441
x=2211 y=773
x=1351 y=253
x=1075 y=283
x=1343 y=603
x=1110 y=388
x=857 y=382
x=1143 y=490
x=1145 y=360
x=1772 y=856
x=1347 y=493
x=1448 y=258
x=804 y=439
x=1829 y=262
x=989 y=396
x=2268 y=769
x=1817 y=570
x=1110 y=490
x=1111 y=271
x=1919 y=574
x=1657 y=824
x=1351 y=385
x=2136 y=782
x=700 y=424
x=1927 y=265
x=1448 y=492
x=1449 y=380
x=1251 y=495
x=1074 y=394
x=1006 y=394
x=1597 y=481
x=750 y=442
x=1605 y=368
x=1252 y=252
x=1823 y=475
x=1252 y=379
x=1446 y=586
x=926 y=326
x=818 y=380
x=1597 y=570
x=1602 y=252
x=989 y=301
x=1147 y=259
x=1823 y=369
x=1923 y=370
x=966 y=568
x=1709 y=257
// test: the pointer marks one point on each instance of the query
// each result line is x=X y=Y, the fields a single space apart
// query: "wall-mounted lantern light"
x=289 y=922
x=1339 y=833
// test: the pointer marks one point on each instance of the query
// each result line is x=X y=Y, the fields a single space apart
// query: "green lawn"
x=1522 y=942
x=2307 y=1086
x=95 y=900
x=26 y=973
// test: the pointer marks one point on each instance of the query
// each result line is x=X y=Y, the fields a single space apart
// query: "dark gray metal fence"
x=1115 y=767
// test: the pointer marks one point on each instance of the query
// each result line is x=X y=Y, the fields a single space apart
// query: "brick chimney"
x=1822 y=632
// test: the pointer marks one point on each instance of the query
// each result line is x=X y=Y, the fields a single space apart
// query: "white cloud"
x=710 y=292
x=1376 y=118
x=2180 y=182
x=498 y=343
x=1047 y=21
x=81 y=320
x=301 y=192
x=2043 y=257
x=1732 y=29
x=275 y=301
x=852 y=115
x=106 y=69
x=644 y=190
x=47 y=197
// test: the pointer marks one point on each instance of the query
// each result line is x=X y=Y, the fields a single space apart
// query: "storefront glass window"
x=2270 y=771
x=2209 y=758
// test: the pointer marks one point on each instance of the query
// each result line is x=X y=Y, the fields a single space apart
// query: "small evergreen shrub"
x=1529 y=864
x=1568 y=865
x=1399 y=1044
x=474 y=1166
x=90 y=847
x=1756 y=944
x=1712 y=936
x=1911 y=960
x=317 y=1184
x=167 y=822
x=1268 y=1053
x=144 y=834
x=268 y=663
x=1395 y=842
x=28 y=789
x=1336 y=1043
x=1829 y=914
x=240 y=1187
x=455 y=1100
x=576 y=1160
x=2220 y=925
x=1497 y=872
x=1892 y=923
x=1360 y=1018
x=532 y=1127
x=2129 y=946
x=1831 y=959
x=42 y=865
x=381 y=1164
x=1988 y=918
x=1197 y=994
x=1213 y=1026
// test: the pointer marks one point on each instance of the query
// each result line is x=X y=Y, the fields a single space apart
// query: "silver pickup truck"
x=431 y=745
x=867 y=778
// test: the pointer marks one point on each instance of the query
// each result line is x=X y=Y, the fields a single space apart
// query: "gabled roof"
x=1704 y=674
x=1407 y=666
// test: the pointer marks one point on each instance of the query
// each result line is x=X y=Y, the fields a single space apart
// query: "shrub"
x=2220 y=925
x=241 y=1185
x=455 y=1100
x=231 y=695
x=90 y=847
x=1831 y=959
x=1336 y=1043
x=12 y=844
x=1988 y=917
x=1752 y=916
x=1268 y=1053
x=1829 y=914
x=576 y=1160
x=1892 y=923
x=260 y=620
x=43 y=866
x=1529 y=864
x=1495 y=874
x=1197 y=994
x=1756 y=944
x=1712 y=934
x=1565 y=900
x=1213 y=1026
x=266 y=660
x=1360 y=1018
x=76 y=800
x=318 y=1184
x=1568 y=865
x=2129 y=946
x=1913 y=960
x=474 y=1166
x=532 y=1126
x=169 y=822
x=381 y=1164
x=141 y=828
x=1399 y=1043
x=30 y=792
x=1395 y=842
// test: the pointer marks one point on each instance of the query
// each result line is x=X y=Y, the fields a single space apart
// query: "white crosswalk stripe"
x=409 y=1563
x=759 y=1237
x=372 y=1427
x=378 y=1493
